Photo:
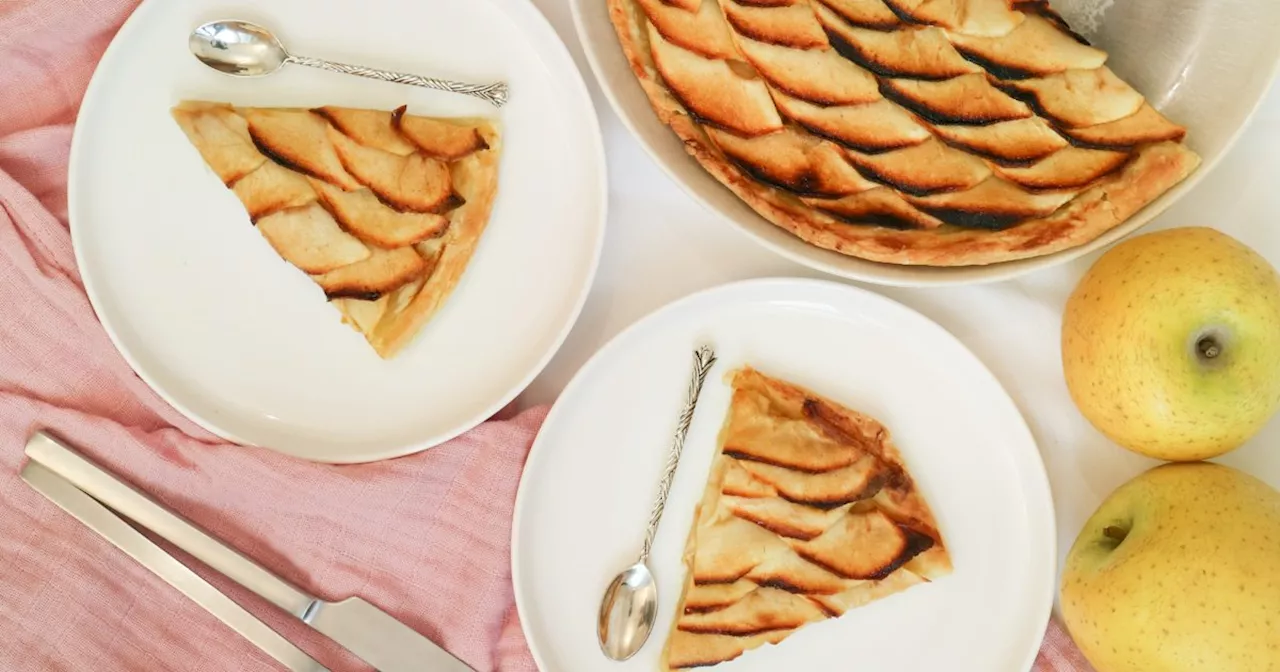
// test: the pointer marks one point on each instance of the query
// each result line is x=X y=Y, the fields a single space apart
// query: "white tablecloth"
x=662 y=245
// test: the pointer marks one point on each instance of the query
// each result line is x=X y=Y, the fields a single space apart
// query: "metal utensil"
x=630 y=603
x=249 y=50
x=98 y=518
x=359 y=626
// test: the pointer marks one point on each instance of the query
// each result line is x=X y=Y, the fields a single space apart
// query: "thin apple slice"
x=271 y=188
x=872 y=127
x=818 y=75
x=873 y=14
x=222 y=138
x=996 y=203
x=792 y=25
x=971 y=17
x=298 y=139
x=371 y=128
x=416 y=183
x=856 y=482
x=864 y=593
x=365 y=215
x=730 y=547
x=309 y=238
x=703 y=32
x=689 y=5
x=438 y=138
x=967 y=99
x=1067 y=168
x=1077 y=98
x=792 y=161
x=927 y=168
x=361 y=314
x=714 y=596
x=782 y=517
x=383 y=272
x=762 y=610
x=1142 y=127
x=867 y=546
x=1036 y=48
x=923 y=53
x=881 y=206
x=713 y=90
x=1017 y=141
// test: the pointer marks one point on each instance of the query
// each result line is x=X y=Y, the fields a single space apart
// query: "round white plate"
x=1205 y=64
x=590 y=479
x=246 y=345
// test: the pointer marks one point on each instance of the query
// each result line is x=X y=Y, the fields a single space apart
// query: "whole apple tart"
x=927 y=132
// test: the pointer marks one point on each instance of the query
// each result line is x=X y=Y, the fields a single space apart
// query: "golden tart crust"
x=382 y=209
x=1032 y=144
x=809 y=511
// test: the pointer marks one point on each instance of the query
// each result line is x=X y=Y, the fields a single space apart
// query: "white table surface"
x=662 y=245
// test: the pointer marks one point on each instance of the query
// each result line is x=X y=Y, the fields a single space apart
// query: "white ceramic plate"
x=1205 y=64
x=243 y=343
x=589 y=482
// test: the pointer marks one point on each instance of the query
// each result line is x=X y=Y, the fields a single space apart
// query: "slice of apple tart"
x=382 y=209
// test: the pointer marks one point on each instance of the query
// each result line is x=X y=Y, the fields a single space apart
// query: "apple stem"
x=1208 y=347
x=1115 y=532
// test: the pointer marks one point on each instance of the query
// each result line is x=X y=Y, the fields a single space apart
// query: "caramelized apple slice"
x=361 y=314
x=790 y=25
x=714 y=91
x=715 y=595
x=1142 y=127
x=782 y=517
x=873 y=14
x=761 y=610
x=437 y=138
x=856 y=482
x=222 y=138
x=310 y=239
x=756 y=437
x=689 y=5
x=1066 y=169
x=415 y=183
x=923 y=53
x=818 y=75
x=971 y=17
x=298 y=139
x=873 y=127
x=1077 y=98
x=929 y=167
x=383 y=272
x=363 y=214
x=1037 y=47
x=730 y=548
x=739 y=482
x=1016 y=141
x=996 y=203
x=371 y=128
x=792 y=161
x=867 y=545
x=271 y=188
x=863 y=593
x=881 y=206
x=703 y=32
x=968 y=99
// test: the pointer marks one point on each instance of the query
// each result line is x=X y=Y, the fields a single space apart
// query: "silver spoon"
x=630 y=603
x=249 y=50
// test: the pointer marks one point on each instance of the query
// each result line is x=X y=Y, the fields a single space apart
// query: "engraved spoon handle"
x=494 y=93
x=703 y=359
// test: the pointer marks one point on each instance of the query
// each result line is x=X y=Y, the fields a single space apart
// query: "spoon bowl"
x=627 y=612
x=238 y=48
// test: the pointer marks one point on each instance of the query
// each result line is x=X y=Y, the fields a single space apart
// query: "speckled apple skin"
x=1128 y=334
x=1194 y=587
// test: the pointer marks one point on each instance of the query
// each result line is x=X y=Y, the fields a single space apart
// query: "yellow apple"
x=1179 y=571
x=1171 y=343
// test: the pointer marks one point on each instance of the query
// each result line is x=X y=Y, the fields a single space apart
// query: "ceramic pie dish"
x=763 y=112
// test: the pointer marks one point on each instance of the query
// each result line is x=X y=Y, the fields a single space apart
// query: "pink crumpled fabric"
x=425 y=537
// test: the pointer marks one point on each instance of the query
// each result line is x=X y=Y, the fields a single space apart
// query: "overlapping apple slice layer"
x=382 y=209
x=808 y=512
x=938 y=104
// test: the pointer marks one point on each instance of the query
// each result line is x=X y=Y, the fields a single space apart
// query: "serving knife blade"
x=98 y=518
x=358 y=625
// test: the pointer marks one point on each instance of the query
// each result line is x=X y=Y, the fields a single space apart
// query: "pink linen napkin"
x=425 y=537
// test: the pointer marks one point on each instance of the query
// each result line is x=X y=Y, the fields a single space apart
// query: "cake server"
x=359 y=626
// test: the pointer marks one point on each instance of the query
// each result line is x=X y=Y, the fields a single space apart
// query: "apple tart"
x=381 y=209
x=926 y=132
x=808 y=512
